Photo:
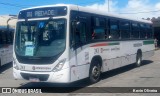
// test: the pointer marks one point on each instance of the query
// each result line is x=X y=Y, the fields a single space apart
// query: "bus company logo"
x=33 y=68
x=40 y=68
x=6 y=90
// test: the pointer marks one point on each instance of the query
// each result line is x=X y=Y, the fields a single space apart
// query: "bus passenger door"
x=79 y=51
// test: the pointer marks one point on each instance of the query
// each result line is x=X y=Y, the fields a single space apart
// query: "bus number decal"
x=29 y=14
x=96 y=51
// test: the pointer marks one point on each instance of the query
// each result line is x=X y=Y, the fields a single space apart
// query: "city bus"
x=6 y=45
x=64 y=43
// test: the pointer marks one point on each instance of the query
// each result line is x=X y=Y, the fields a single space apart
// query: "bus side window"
x=98 y=33
x=125 y=29
x=149 y=31
x=135 y=31
x=114 y=32
x=99 y=28
x=143 y=31
x=82 y=33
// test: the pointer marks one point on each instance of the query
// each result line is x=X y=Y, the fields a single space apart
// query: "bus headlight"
x=15 y=64
x=59 y=66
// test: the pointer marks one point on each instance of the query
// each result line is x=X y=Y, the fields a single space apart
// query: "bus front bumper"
x=62 y=76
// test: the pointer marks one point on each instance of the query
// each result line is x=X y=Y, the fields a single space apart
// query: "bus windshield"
x=40 y=38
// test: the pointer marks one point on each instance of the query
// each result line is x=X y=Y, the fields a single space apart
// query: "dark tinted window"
x=113 y=24
x=99 y=28
x=124 y=25
x=143 y=31
x=125 y=29
x=125 y=34
x=99 y=33
x=135 y=30
x=149 y=31
x=114 y=32
x=99 y=22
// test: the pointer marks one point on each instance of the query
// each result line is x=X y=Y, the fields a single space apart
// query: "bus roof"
x=89 y=10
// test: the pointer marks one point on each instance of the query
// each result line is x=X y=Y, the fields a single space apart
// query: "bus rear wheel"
x=95 y=71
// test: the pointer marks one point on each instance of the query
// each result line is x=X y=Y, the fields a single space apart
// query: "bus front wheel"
x=95 y=71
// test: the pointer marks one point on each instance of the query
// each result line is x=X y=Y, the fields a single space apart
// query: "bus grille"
x=41 y=77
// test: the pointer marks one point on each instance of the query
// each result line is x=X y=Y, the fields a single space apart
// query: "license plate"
x=34 y=79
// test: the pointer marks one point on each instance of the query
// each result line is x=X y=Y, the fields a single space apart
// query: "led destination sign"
x=43 y=12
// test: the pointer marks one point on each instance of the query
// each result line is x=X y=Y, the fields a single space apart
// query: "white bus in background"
x=6 y=45
x=66 y=43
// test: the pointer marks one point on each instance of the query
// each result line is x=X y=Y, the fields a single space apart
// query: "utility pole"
x=108 y=6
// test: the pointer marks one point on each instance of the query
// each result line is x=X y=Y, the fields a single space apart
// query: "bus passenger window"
x=143 y=33
x=114 y=32
x=98 y=33
x=149 y=32
x=135 y=31
x=125 y=29
x=99 y=26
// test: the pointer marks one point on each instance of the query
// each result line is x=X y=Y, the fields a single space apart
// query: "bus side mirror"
x=78 y=25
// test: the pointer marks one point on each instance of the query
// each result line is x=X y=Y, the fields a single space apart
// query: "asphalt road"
x=147 y=75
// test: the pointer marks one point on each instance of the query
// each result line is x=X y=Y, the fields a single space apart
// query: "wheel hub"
x=95 y=72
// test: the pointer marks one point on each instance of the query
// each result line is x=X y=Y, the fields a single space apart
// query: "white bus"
x=65 y=43
x=6 y=45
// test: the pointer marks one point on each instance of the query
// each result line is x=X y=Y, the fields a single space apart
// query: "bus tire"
x=139 y=59
x=95 y=71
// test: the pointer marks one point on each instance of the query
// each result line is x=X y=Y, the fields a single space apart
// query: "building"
x=8 y=20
